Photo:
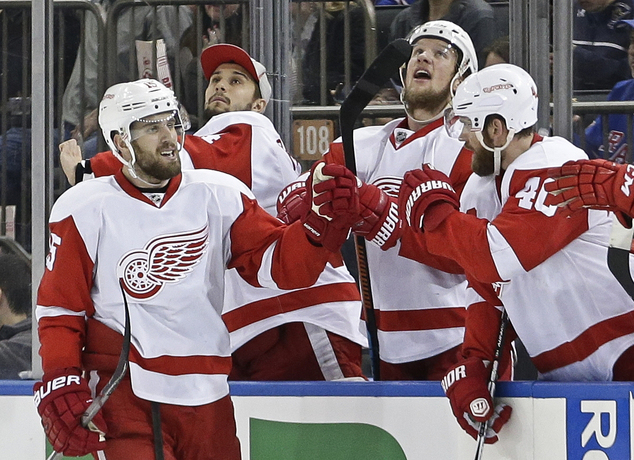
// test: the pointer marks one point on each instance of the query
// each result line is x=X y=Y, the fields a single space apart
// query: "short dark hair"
x=15 y=282
x=523 y=133
x=499 y=46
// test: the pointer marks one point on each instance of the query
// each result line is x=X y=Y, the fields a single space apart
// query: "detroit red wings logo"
x=165 y=259
x=389 y=184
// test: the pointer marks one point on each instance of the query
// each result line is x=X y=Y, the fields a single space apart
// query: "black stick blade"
x=380 y=71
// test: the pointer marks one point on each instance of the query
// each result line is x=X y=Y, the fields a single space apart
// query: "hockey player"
x=549 y=272
x=159 y=241
x=419 y=308
x=308 y=334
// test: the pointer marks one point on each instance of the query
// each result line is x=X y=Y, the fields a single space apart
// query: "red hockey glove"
x=598 y=184
x=291 y=205
x=466 y=386
x=380 y=222
x=61 y=399
x=426 y=193
x=333 y=197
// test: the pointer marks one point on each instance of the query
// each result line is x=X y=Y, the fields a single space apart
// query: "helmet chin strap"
x=497 y=151
x=130 y=164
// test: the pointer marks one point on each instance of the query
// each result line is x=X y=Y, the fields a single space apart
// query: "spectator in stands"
x=497 y=52
x=474 y=16
x=15 y=148
x=617 y=123
x=335 y=54
x=600 y=42
x=15 y=316
x=81 y=98
x=304 y=17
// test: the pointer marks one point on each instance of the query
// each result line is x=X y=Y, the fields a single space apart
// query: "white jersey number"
x=53 y=242
x=534 y=195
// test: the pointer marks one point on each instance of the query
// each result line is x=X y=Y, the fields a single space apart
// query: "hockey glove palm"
x=380 y=222
x=598 y=184
x=61 y=399
x=333 y=198
x=426 y=193
x=466 y=386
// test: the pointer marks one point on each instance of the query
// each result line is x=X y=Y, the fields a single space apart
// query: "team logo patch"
x=389 y=184
x=165 y=259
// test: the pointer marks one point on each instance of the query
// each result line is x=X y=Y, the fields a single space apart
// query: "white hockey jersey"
x=549 y=272
x=247 y=146
x=172 y=258
x=420 y=309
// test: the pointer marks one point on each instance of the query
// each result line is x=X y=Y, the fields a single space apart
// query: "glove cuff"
x=57 y=384
x=437 y=213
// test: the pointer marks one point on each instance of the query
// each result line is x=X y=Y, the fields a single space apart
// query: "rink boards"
x=389 y=421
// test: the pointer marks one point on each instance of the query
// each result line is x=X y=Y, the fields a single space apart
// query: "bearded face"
x=425 y=98
x=482 y=160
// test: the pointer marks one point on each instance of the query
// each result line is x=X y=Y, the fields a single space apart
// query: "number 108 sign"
x=312 y=138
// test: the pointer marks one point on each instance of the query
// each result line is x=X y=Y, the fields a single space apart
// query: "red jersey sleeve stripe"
x=586 y=343
x=266 y=308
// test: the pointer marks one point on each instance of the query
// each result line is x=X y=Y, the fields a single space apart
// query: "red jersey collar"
x=134 y=192
x=536 y=138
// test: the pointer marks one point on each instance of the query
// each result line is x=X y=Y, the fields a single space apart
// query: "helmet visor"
x=159 y=123
x=457 y=127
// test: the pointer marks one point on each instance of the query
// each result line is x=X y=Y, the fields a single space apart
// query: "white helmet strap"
x=129 y=165
x=497 y=151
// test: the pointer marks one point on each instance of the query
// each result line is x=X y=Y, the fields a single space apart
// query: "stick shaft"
x=372 y=80
x=118 y=374
x=499 y=346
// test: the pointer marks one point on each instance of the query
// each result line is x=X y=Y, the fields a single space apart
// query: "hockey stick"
x=115 y=379
x=504 y=320
x=619 y=252
x=382 y=68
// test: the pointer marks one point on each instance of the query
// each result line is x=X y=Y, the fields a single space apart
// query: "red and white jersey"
x=172 y=258
x=253 y=152
x=420 y=308
x=333 y=303
x=550 y=272
x=247 y=146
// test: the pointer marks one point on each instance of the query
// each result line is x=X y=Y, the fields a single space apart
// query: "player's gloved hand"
x=466 y=386
x=597 y=184
x=380 y=222
x=333 y=196
x=291 y=204
x=426 y=193
x=61 y=399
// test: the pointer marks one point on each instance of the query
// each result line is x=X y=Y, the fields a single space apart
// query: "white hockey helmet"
x=125 y=103
x=455 y=36
x=503 y=89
